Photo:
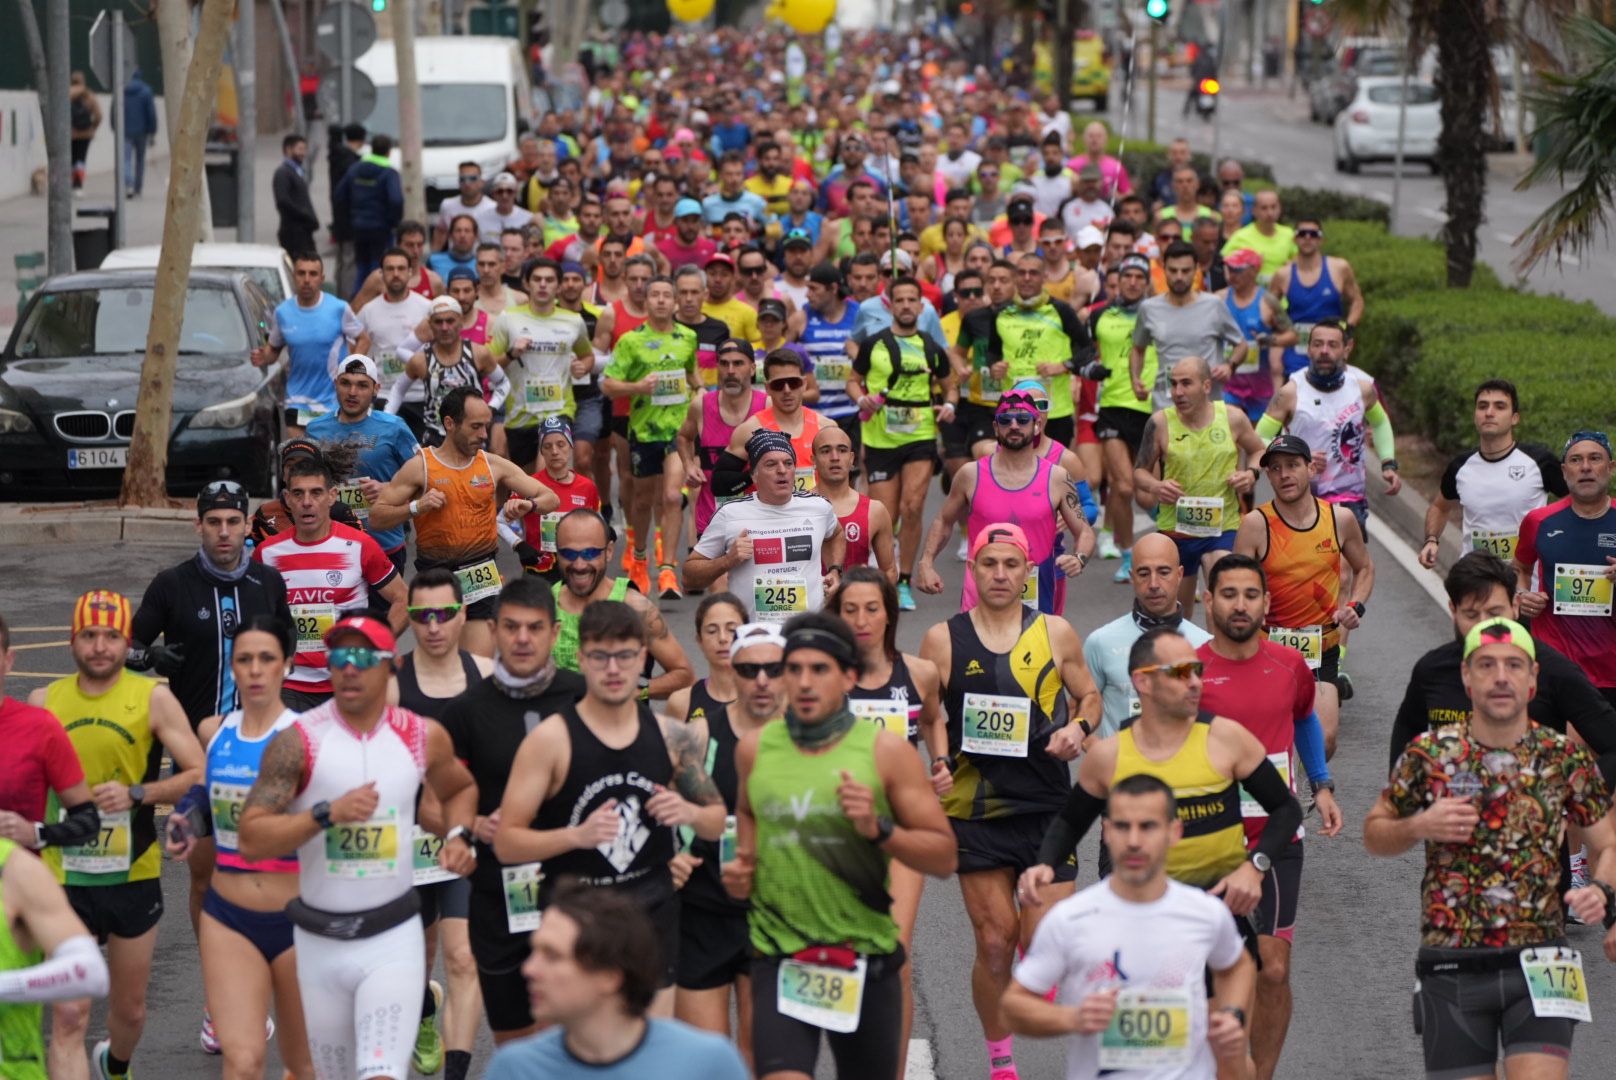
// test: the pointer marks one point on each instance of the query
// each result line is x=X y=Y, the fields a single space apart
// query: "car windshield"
x=1418 y=94
x=268 y=279
x=113 y=320
x=452 y=114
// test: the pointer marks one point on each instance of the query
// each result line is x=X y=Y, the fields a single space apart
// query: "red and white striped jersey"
x=325 y=581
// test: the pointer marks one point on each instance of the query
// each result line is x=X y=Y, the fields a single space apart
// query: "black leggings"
x=782 y=1044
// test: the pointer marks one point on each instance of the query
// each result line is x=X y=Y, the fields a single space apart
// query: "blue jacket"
x=139 y=109
x=370 y=197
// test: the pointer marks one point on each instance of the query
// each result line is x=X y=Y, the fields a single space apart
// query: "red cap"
x=1243 y=259
x=719 y=257
x=1001 y=532
x=373 y=631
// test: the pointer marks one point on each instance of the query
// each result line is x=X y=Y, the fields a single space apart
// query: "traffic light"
x=538 y=32
x=1316 y=3
x=1157 y=9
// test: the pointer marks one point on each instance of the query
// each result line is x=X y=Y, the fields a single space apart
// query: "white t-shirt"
x=495 y=224
x=1095 y=940
x=389 y=325
x=1080 y=213
x=485 y=213
x=1496 y=495
x=783 y=577
x=959 y=172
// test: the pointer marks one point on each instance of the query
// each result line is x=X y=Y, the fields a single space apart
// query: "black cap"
x=1020 y=214
x=825 y=274
x=771 y=306
x=221 y=495
x=1287 y=444
x=797 y=238
x=735 y=344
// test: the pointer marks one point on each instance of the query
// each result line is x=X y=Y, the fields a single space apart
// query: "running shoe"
x=209 y=1041
x=659 y=545
x=906 y=600
x=98 y=1063
x=639 y=572
x=1004 y=1072
x=1343 y=685
x=428 y=1056
x=628 y=552
x=1108 y=546
x=1124 y=572
x=668 y=584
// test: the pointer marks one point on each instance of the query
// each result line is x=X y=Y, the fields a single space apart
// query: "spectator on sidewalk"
x=139 y=131
x=292 y=202
x=371 y=199
x=346 y=147
x=84 y=114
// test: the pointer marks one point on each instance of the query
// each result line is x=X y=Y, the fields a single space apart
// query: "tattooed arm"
x=1146 y=461
x=267 y=831
x=694 y=799
x=665 y=650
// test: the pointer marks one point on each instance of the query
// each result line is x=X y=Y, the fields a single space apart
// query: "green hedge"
x=1299 y=202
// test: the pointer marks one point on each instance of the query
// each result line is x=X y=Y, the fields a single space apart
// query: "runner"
x=722 y=303
x=243 y=933
x=1315 y=288
x=1182 y=322
x=1301 y=541
x=1197 y=444
x=865 y=523
x=591 y=408
x=1006 y=673
x=450 y=492
x=493 y=295
x=543 y=348
x=785 y=413
x=391 y=317
x=710 y=421
x=448 y=361
x=423 y=281
x=1493 y=925
x=1127 y=951
x=616 y=319
x=827 y=322
x=774 y=543
x=1497 y=484
x=1267 y=328
x=339 y=788
x=1157 y=573
x=575 y=491
x=821 y=926
x=274 y=517
x=1276 y=243
x=315 y=328
x=120 y=725
x=331 y=570
x=894 y=379
x=486 y=724
x=973 y=423
x=1268 y=689
x=1041 y=337
x=597 y=788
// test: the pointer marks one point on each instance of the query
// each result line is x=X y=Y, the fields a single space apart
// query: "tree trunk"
x=409 y=112
x=174 y=44
x=58 y=166
x=145 y=479
x=1464 y=83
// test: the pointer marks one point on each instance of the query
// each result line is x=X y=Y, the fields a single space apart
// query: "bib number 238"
x=826 y=997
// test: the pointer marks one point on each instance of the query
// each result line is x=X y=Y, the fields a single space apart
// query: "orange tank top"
x=467 y=525
x=803 y=445
x=1304 y=571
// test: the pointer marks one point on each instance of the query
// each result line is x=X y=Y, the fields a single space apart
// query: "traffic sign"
x=613 y=14
x=330 y=96
x=361 y=29
x=101 y=50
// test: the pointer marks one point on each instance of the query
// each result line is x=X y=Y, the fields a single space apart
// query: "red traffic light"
x=1209 y=86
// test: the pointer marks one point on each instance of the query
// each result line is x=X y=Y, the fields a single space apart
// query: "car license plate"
x=99 y=457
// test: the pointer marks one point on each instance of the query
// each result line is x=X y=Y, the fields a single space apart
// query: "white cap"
x=756 y=634
x=445 y=304
x=505 y=179
x=904 y=261
x=1088 y=236
x=699 y=117
x=358 y=363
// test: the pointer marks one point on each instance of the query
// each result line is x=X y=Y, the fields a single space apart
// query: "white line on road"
x=920 y=1066
x=1409 y=560
x=1433 y=213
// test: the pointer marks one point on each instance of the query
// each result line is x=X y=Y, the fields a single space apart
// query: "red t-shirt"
x=39 y=758
x=1267 y=695
x=580 y=494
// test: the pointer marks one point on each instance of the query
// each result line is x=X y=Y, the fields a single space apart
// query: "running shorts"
x=714 y=947
x=444 y=900
x=1276 y=911
x=1121 y=423
x=1192 y=549
x=883 y=464
x=647 y=458
x=1062 y=429
x=1462 y=1016
x=589 y=423
x=978 y=421
x=126 y=911
x=784 y=1044
x=1006 y=843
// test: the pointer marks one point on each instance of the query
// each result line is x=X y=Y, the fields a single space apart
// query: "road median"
x=34 y=524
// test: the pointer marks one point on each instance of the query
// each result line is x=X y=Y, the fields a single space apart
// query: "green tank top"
x=22 y=1043
x=1113 y=335
x=818 y=882
x=566 y=646
x=905 y=379
x=1201 y=461
x=1033 y=336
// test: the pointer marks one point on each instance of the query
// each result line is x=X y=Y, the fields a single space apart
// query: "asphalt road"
x=1352 y=967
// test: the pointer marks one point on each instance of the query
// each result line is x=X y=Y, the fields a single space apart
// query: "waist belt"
x=353 y=925
x=1461 y=962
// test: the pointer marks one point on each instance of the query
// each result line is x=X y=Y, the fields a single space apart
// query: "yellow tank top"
x=1201 y=461
x=112 y=735
x=1214 y=843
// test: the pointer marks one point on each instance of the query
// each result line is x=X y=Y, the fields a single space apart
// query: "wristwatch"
x=1322 y=785
x=1235 y=1011
x=883 y=830
x=1083 y=558
x=137 y=794
x=1263 y=864
x=460 y=832
x=1610 y=901
x=1358 y=606
x=39 y=836
x=948 y=762
x=321 y=812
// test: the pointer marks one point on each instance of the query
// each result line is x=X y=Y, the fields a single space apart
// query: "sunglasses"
x=790 y=382
x=987 y=174
x=223 y=487
x=1312 y=233
x=589 y=554
x=471 y=178
x=749 y=670
x=357 y=657
x=753 y=271
x=1173 y=671
x=602 y=659
x=1014 y=418
x=440 y=614
x=968 y=294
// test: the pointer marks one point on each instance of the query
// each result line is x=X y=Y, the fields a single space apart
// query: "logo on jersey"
x=204 y=614
x=631 y=836
x=333 y=577
x=479 y=481
x=852 y=531
x=1325 y=547
x=1517 y=472
x=775 y=550
x=974 y=668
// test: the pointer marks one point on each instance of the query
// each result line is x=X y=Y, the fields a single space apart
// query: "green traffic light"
x=378 y=5
x=1156 y=9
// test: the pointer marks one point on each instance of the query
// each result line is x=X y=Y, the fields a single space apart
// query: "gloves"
x=528 y=555
x=165 y=660
x=1094 y=371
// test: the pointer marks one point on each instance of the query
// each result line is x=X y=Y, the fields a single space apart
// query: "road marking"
x=1504 y=237
x=39 y=674
x=1433 y=213
x=920 y=1066
x=40 y=645
x=1409 y=560
x=1379 y=194
x=39 y=629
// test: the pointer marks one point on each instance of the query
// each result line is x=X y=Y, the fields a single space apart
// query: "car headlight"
x=14 y=423
x=228 y=414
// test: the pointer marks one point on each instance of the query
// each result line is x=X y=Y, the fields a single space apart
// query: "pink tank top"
x=477 y=332
x=715 y=436
x=1026 y=506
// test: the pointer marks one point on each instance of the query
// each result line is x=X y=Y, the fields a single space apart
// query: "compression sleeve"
x=1381 y=426
x=1091 y=510
x=1310 y=747
x=81 y=823
x=75 y=969
x=499 y=387
x=1284 y=812
x=1268 y=427
x=395 y=396
x=729 y=475
x=1081 y=811
x=601 y=360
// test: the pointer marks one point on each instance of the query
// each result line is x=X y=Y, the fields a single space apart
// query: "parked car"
x=70 y=374
x=266 y=264
x=1366 y=130
x=1330 y=93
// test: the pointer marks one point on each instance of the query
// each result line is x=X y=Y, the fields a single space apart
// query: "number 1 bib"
x=996 y=725
x=363 y=849
x=1198 y=515
x=1149 y=1030
x=1581 y=589
x=826 y=997
x=521 y=884
x=1554 y=978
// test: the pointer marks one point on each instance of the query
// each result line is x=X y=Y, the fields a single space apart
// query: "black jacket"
x=292 y=198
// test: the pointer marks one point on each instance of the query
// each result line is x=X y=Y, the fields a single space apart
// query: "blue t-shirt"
x=441 y=262
x=385 y=444
x=1106 y=653
x=669 y=1051
x=874 y=316
x=748 y=204
x=312 y=336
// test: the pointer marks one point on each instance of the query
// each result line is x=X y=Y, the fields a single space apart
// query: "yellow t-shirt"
x=773 y=193
x=740 y=316
x=1276 y=250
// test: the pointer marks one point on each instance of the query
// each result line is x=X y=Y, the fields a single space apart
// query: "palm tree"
x=1576 y=118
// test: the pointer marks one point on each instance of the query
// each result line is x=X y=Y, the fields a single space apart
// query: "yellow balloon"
x=808 y=16
x=690 y=10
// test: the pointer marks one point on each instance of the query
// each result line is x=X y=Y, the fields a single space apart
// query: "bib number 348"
x=826 y=997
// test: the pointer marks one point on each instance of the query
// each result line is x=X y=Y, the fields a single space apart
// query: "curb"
x=33 y=524
x=1405 y=513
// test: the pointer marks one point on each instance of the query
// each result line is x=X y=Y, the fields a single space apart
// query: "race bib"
x=352 y=496
x=1149 y=1030
x=1198 y=515
x=424 y=860
x=1554 y=978
x=1501 y=544
x=992 y=389
x=902 y=419
x=1581 y=589
x=1029 y=591
x=1307 y=640
x=521 y=883
x=391 y=366
x=478 y=581
x=670 y=388
x=547 y=530
x=832 y=371
x=105 y=853
x=826 y=997
x=803 y=481
x=312 y=622
x=996 y=725
x=1249 y=806
x=308 y=413
x=776 y=599
x=363 y=849
x=888 y=714
x=544 y=394
x=225 y=801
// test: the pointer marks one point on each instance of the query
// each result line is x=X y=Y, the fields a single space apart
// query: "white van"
x=476 y=101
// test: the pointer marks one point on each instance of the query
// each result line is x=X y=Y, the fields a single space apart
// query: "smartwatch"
x=1322 y=785
x=1263 y=864
x=883 y=830
x=1358 y=606
x=1235 y=1011
x=460 y=832
x=321 y=812
x=137 y=794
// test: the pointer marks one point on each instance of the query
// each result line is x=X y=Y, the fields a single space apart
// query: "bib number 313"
x=826 y=997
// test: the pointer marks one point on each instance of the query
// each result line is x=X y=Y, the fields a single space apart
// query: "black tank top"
x=637 y=858
x=899 y=690
x=706 y=886
x=409 y=687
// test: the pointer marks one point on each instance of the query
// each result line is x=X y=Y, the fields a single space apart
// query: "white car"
x=266 y=264
x=1366 y=130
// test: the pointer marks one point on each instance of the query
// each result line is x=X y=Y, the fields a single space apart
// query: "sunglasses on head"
x=359 y=657
x=1014 y=418
x=442 y=613
x=1173 y=671
x=749 y=670
x=789 y=382
x=588 y=554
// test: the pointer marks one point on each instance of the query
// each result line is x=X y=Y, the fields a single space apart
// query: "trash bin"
x=92 y=243
x=220 y=162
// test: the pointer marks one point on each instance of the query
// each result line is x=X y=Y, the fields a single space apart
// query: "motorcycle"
x=1206 y=98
